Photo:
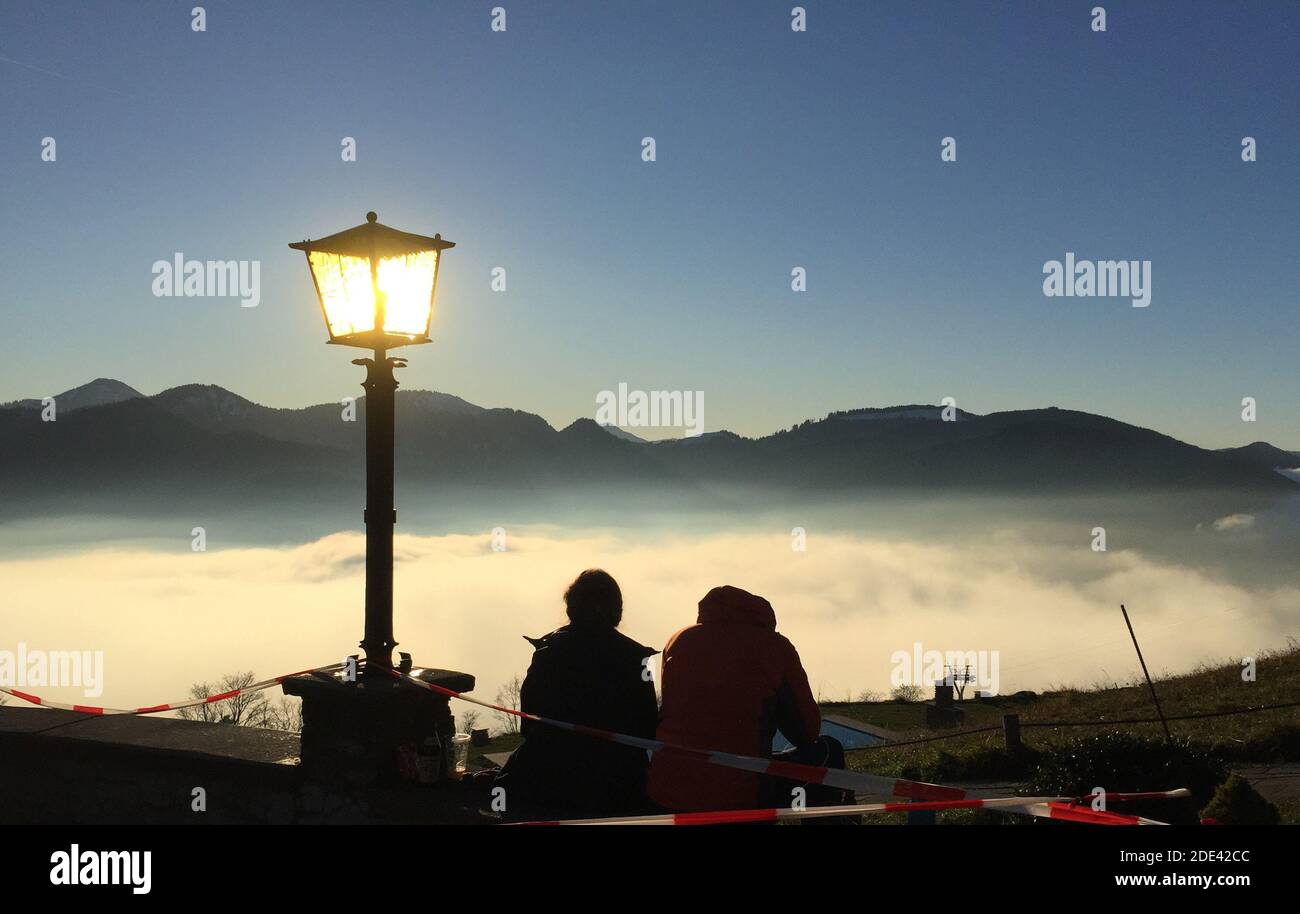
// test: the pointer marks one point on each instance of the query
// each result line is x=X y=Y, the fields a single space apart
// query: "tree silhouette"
x=248 y=709
x=508 y=697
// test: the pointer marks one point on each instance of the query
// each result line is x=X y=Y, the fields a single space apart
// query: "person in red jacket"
x=728 y=683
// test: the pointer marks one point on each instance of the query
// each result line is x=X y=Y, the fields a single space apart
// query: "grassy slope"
x=1270 y=736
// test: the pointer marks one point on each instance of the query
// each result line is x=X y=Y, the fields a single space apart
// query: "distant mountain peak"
x=206 y=404
x=721 y=435
x=624 y=434
x=111 y=384
x=438 y=402
x=583 y=425
x=1263 y=454
x=210 y=393
x=919 y=411
x=587 y=429
x=199 y=388
x=98 y=392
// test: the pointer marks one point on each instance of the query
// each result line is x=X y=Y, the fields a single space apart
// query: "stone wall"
x=59 y=767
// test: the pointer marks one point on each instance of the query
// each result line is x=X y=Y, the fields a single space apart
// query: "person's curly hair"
x=594 y=600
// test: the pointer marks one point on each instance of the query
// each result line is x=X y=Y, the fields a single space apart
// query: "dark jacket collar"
x=569 y=636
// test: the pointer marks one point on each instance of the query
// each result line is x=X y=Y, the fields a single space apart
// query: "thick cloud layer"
x=165 y=619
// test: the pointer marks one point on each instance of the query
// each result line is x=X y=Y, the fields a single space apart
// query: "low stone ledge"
x=61 y=767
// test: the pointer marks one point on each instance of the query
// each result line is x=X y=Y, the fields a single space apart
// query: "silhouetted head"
x=593 y=600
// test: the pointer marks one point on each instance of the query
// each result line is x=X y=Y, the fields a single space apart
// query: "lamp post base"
x=375 y=733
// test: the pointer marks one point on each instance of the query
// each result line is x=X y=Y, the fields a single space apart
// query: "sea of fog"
x=855 y=585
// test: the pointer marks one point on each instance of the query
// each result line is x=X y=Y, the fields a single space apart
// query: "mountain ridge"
x=176 y=435
x=84 y=396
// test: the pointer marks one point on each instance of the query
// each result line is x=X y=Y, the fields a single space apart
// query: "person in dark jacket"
x=729 y=683
x=585 y=672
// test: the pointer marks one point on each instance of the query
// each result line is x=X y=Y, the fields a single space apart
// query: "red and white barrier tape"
x=858 y=781
x=932 y=796
x=1069 y=812
x=1178 y=794
x=171 y=705
x=1044 y=807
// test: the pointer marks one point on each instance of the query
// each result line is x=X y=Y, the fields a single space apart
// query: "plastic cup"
x=461 y=743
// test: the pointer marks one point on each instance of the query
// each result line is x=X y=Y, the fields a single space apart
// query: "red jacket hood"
x=731 y=604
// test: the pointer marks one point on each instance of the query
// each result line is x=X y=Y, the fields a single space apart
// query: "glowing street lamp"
x=376 y=284
x=376 y=287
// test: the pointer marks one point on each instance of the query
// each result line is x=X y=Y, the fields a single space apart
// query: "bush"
x=970 y=763
x=1237 y=803
x=983 y=764
x=1124 y=762
x=907 y=693
x=1280 y=744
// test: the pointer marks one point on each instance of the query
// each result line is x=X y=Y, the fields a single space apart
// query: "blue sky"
x=775 y=150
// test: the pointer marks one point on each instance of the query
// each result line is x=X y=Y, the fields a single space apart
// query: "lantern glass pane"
x=406 y=283
x=346 y=291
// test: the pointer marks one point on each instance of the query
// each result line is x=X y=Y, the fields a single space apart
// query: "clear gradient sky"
x=775 y=149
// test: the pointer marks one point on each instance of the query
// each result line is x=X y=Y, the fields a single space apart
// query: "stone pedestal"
x=362 y=734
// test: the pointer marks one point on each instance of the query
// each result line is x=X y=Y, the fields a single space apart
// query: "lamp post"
x=376 y=287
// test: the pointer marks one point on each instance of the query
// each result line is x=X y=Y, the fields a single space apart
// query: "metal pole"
x=380 y=516
x=1150 y=685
